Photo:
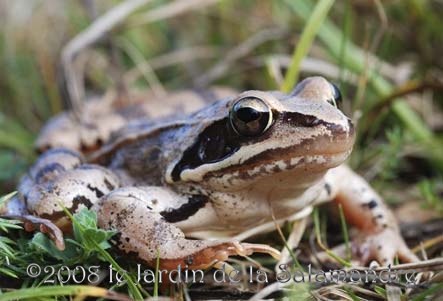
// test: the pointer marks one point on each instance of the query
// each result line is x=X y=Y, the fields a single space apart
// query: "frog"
x=190 y=189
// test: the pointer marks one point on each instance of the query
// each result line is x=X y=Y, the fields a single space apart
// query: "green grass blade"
x=309 y=32
x=344 y=228
x=69 y=290
x=316 y=219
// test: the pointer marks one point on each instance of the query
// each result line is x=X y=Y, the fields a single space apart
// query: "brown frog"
x=232 y=169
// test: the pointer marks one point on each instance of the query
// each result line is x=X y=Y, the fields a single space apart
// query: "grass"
x=385 y=56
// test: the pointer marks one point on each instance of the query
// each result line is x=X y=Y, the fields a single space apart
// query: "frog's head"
x=264 y=135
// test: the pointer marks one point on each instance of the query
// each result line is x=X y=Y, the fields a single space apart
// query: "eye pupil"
x=250 y=116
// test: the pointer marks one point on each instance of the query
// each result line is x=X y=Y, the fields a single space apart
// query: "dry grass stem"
x=238 y=52
x=85 y=39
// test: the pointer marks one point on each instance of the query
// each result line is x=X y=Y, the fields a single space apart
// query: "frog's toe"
x=260 y=248
x=406 y=255
x=221 y=251
x=31 y=223
x=385 y=247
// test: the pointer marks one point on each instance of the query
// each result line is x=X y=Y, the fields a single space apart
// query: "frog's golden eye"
x=336 y=96
x=250 y=116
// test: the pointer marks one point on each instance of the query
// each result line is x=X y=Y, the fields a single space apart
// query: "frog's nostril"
x=351 y=127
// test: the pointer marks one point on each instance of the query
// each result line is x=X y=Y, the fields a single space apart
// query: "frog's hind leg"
x=136 y=213
x=58 y=180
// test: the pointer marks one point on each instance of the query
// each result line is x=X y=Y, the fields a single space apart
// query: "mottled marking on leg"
x=376 y=218
x=328 y=188
x=77 y=201
x=108 y=184
x=371 y=204
x=97 y=191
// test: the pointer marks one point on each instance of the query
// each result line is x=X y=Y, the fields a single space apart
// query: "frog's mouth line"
x=321 y=162
x=313 y=151
x=313 y=162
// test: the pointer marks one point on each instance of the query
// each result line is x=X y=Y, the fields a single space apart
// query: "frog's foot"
x=384 y=247
x=199 y=254
x=32 y=223
x=144 y=232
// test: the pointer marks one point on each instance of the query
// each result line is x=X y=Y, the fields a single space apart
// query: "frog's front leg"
x=138 y=214
x=379 y=237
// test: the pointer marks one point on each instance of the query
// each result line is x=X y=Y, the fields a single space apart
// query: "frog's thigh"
x=136 y=213
x=59 y=177
x=73 y=189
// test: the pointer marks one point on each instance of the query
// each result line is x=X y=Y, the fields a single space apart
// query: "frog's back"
x=100 y=117
x=135 y=152
x=142 y=150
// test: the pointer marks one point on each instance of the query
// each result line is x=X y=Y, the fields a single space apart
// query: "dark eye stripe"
x=216 y=142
